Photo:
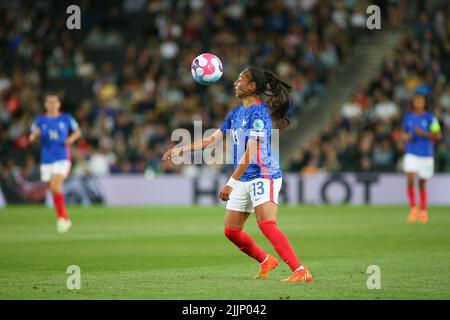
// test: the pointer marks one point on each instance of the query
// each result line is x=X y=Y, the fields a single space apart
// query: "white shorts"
x=61 y=167
x=249 y=194
x=423 y=166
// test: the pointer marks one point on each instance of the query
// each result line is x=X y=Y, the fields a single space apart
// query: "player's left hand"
x=420 y=132
x=225 y=193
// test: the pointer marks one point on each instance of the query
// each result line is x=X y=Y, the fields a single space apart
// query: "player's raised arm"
x=197 y=145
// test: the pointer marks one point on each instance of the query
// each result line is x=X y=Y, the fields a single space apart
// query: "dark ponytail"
x=277 y=92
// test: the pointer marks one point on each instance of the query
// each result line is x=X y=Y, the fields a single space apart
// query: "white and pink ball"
x=207 y=68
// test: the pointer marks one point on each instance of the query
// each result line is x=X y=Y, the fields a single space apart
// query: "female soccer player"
x=420 y=130
x=256 y=180
x=57 y=132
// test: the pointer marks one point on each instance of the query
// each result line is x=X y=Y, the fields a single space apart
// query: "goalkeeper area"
x=181 y=253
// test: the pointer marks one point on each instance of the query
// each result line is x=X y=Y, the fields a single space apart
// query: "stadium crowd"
x=125 y=75
x=365 y=135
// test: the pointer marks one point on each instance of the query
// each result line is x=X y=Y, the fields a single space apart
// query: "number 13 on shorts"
x=259 y=185
x=264 y=190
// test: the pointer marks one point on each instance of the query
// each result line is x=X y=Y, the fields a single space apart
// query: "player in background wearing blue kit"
x=57 y=132
x=420 y=130
x=256 y=180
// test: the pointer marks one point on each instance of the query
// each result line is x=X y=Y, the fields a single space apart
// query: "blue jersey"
x=253 y=122
x=419 y=145
x=54 y=132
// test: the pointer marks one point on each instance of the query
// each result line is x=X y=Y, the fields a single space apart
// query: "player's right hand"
x=224 y=193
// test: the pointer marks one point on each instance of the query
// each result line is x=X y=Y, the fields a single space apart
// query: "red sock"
x=60 y=205
x=245 y=243
x=280 y=242
x=423 y=199
x=412 y=196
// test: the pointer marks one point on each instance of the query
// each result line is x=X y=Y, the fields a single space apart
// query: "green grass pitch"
x=181 y=253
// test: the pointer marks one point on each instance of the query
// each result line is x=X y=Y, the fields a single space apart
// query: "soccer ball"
x=207 y=68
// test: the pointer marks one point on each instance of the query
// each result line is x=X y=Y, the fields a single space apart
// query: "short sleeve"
x=226 y=125
x=259 y=124
x=73 y=124
x=434 y=126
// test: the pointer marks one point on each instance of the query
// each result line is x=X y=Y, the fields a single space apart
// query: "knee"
x=54 y=189
x=422 y=185
x=410 y=179
x=265 y=224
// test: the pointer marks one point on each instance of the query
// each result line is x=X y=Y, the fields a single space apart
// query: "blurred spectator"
x=100 y=162
x=383 y=156
x=352 y=109
x=395 y=12
x=385 y=109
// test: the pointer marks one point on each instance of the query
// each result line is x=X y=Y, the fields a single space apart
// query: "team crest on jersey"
x=61 y=125
x=258 y=124
x=244 y=122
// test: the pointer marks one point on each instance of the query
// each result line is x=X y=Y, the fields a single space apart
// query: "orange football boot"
x=270 y=264
x=413 y=215
x=300 y=275
x=423 y=216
